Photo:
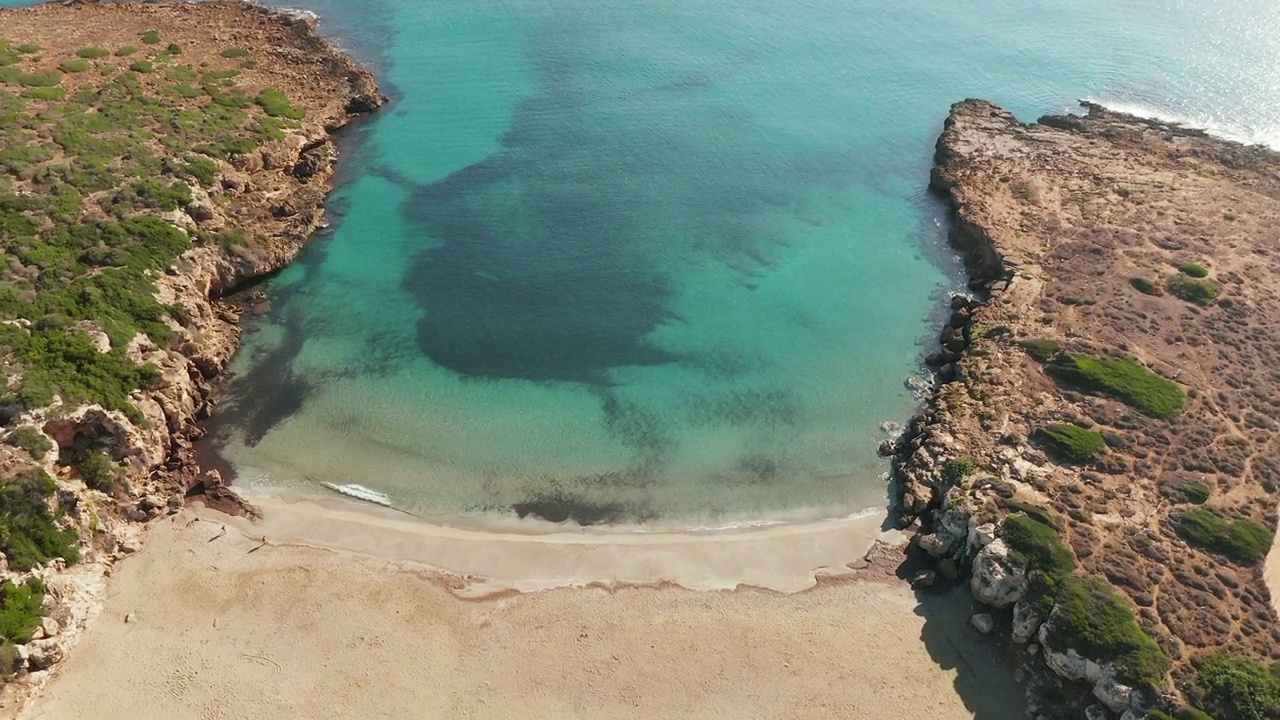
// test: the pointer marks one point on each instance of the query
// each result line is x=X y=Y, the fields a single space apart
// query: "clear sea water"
x=667 y=261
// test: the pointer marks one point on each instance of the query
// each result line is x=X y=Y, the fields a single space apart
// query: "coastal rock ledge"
x=1104 y=421
x=226 y=153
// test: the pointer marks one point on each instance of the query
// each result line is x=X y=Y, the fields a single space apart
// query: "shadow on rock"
x=984 y=666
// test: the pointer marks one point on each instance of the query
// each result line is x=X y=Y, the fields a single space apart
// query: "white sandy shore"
x=203 y=624
x=532 y=555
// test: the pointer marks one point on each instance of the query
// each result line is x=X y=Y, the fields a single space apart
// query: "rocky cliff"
x=1102 y=446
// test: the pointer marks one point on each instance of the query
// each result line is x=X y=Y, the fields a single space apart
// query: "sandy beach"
x=209 y=622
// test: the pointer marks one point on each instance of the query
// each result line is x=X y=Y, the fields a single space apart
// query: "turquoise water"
x=667 y=261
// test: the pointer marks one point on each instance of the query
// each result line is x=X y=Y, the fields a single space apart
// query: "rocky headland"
x=1100 y=462
x=153 y=157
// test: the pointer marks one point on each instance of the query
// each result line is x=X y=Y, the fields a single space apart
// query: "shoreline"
x=526 y=556
x=206 y=621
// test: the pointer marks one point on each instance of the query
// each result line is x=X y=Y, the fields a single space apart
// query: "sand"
x=1271 y=571
x=206 y=624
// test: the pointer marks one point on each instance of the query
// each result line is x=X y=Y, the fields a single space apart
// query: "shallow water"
x=667 y=261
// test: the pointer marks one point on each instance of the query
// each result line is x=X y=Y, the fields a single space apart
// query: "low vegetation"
x=276 y=104
x=1087 y=615
x=1238 y=687
x=1091 y=618
x=1121 y=378
x=28 y=533
x=1241 y=540
x=1194 y=270
x=20 y=610
x=957 y=469
x=1042 y=350
x=1196 y=493
x=83 y=170
x=1070 y=442
x=1200 y=292
x=1037 y=545
x=235 y=52
x=36 y=443
x=1146 y=286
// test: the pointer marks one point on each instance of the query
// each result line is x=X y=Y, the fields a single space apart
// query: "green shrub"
x=51 y=94
x=249 y=64
x=20 y=610
x=48 y=79
x=151 y=37
x=126 y=50
x=957 y=469
x=92 y=53
x=1092 y=619
x=1070 y=442
x=75 y=66
x=1242 y=540
x=276 y=104
x=1041 y=350
x=97 y=470
x=1146 y=286
x=28 y=535
x=1238 y=687
x=1200 y=292
x=36 y=443
x=28 y=48
x=234 y=52
x=142 y=66
x=1197 y=493
x=1190 y=713
x=1194 y=270
x=1037 y=545
x=1123 y=379
x=174 y=49
x=10 y=661
x=204 y=170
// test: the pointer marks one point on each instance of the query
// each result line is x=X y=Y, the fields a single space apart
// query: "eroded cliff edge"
x=1110 y=391
x=153 y=157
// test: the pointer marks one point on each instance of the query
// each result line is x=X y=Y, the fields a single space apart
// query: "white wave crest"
x=1216 y=128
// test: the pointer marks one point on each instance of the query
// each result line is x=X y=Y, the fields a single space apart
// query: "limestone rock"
x=1096 y=712
x=1025 y=622
x=933 y=545
x=997 y=579
x=925 y=578
x=983 y=623
x=948 y=569
x=1112 y=693
x=44 y=654
x=49 y=626
x=981 y=536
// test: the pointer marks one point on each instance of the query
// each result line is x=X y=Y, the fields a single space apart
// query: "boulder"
x=983 y=623
x=44 y=654
x=1096 y=712
x=49 y=626
x=1111 y=692
x=933 y=545
x=924 y=578
x=948 y=569
x=1026 y=622
x=981 y=536
x=997 y=579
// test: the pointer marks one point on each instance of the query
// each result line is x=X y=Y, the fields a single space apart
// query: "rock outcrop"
x=272 y=196
x=1080 y=234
